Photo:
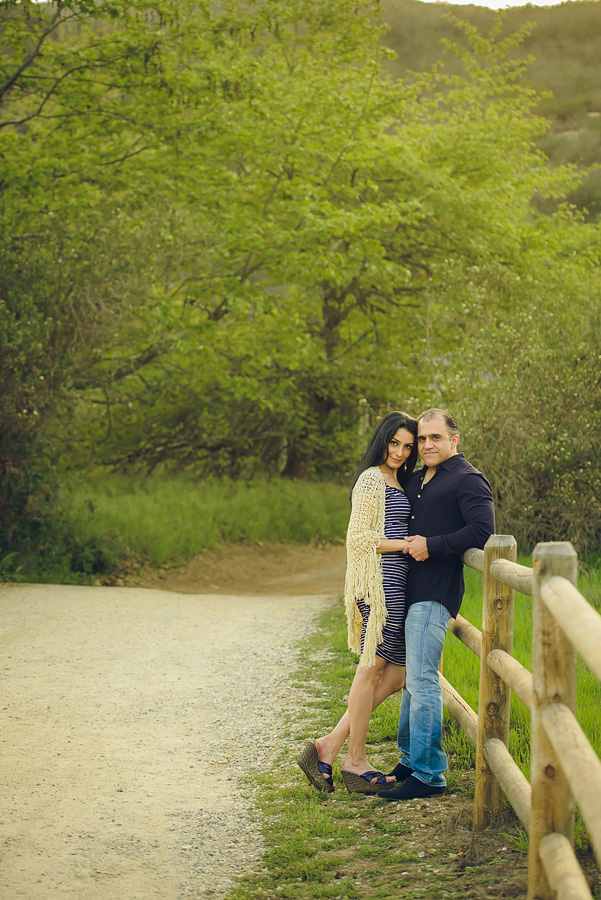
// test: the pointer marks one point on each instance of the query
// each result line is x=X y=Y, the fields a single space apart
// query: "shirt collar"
x=451 y=461
x=449 y=464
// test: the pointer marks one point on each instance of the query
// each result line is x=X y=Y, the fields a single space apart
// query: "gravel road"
x=128 y=716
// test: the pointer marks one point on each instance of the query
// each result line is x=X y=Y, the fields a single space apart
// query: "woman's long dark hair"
x=376 y=451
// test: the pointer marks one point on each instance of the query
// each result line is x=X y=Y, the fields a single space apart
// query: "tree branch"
x=52 y=90
x=54 y=23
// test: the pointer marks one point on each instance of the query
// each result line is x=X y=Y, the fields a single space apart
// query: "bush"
x=533 y=431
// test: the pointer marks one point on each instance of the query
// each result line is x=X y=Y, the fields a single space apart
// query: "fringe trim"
x=364 y=582
x=364 y=566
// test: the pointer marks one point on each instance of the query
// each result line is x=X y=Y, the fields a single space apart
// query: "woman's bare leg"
x=360 y=705
x=390 y=680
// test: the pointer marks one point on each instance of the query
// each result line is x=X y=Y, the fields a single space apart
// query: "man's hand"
x=418 y=547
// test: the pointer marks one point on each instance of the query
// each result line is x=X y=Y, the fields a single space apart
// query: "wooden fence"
x=564 y=767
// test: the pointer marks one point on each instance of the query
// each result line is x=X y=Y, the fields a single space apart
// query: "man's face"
x=434 y=442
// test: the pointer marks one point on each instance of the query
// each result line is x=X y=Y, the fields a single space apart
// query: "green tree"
x=73 y=225
x=338 y=214
x=222 y=229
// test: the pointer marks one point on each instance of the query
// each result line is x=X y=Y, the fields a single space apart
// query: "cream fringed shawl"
x=364 y=566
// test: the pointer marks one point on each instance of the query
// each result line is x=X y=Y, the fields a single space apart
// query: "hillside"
x=564 y=43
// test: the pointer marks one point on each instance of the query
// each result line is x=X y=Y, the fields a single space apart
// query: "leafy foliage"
x=228 y=233
x=350 y=196
x=560 y=46
x=68 y=241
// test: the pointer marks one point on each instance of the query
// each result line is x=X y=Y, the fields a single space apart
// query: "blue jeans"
x=420 y=722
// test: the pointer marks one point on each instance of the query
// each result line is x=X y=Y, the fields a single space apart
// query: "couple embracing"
x=404 y=582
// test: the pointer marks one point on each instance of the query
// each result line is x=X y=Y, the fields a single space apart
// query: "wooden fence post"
x=554 y=675
x=494 y=698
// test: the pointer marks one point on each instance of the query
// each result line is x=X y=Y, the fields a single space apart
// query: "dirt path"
x=259 y=569
x=127 y=716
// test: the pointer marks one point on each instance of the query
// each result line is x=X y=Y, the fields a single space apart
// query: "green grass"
x=104 y=520
x=462 y=668
x=171 y=519
x=340 y=846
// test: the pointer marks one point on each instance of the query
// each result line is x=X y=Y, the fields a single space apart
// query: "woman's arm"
x=392 y=545
x=361 y=536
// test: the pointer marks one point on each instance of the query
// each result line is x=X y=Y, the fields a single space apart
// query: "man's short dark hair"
x=434 y=414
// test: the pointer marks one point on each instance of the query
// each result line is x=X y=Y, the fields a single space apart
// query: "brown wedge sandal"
x=315 y=769
x=362 y=784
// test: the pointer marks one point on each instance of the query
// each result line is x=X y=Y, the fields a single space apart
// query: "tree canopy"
x=227 y=232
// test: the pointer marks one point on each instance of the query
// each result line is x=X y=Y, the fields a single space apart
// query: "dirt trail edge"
x=127 y=716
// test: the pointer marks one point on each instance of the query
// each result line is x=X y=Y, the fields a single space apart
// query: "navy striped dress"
x=394 y=576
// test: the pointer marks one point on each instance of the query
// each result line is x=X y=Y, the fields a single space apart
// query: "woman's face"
x=399 y=449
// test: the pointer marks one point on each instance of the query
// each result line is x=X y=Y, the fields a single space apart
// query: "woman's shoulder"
x=370 y=480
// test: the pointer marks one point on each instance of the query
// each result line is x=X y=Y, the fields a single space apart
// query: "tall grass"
x=170 y=519
x=103 y=521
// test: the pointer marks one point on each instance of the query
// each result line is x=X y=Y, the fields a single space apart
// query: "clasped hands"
x=417 y=547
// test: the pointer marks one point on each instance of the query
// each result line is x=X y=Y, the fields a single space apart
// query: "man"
x=452 y=510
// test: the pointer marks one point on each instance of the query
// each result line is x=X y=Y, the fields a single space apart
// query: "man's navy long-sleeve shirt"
x=453 y=511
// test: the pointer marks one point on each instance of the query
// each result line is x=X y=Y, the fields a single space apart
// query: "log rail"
x=564 y=623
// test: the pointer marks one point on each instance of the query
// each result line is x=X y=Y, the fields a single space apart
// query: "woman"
x=374 y=596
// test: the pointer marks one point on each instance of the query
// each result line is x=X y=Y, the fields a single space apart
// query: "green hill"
x=564 y=42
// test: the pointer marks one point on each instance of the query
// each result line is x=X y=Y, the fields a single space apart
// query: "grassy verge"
x=171 y=519
x=344 y=846
x=104 y=520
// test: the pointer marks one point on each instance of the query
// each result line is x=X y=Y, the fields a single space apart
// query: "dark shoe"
x=412 y=789
x=363 y=784
x=315 y=769
x=401 y=772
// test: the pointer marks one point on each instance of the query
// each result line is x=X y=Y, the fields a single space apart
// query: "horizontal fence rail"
x=514 y=674
x=467 y=633
x=563 y=623
x=512 y=574
x=577 y=619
